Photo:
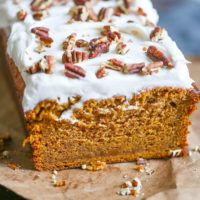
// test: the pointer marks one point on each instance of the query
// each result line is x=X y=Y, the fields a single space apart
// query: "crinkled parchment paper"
x=177 y=178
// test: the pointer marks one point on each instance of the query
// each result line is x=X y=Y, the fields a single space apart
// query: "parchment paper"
x=177 y=178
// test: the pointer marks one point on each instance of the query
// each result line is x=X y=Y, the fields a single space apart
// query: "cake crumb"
x=130 y=188
x=94 y=166
x=12 y=166
x=59 y=184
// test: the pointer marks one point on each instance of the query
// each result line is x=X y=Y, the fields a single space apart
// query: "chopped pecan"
x=141 y=12
x=80 y=2
x=70 y=42
x=157 y=34
x=133 y=68
x=194 y=85
x=122 y=48
x=101 y=72
x=79 y=13
x=74 y=57
x=21 y=15
x=45 y=65
x=111 y=33
x=40 y=15
x=60 y=2
x=156 y=55
x=81 y=43
x=38 y=5
x=114 y=64
x=74 y=71
x=124 y=6
x=105 y=14
x=43 y=35
x=152 y=68
x=98 y=46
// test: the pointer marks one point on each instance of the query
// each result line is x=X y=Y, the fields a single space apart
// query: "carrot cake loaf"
x=97 y=81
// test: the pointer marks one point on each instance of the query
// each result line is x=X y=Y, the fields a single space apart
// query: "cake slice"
x=97 y=81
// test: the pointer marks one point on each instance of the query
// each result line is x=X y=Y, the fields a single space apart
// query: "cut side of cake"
x=97 y=81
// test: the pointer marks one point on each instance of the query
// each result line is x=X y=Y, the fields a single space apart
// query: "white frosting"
x=41 y=86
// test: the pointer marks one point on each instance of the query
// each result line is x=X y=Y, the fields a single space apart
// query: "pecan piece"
x=101 y=72
x=80 y=2
x=156 y=55
x=98 y=46
x=152 y=68
x=105 y=14
x=124 y=6
x=74 y=57
x=74 y=71
x=122 y=48
x=40 y=15
x=43 y=34
x=38 y=5
x=133 y=68
x=81 y=43
x=45 y=65
x=79 y=13
x=157 y=34
x=140 y=11
x=114 y=64
x=111 y=33
x=21 y=15
x=69 y=42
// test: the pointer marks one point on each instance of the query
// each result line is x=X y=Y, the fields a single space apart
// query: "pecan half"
x=133 y=68
x=140 y=11
x=74 y=57
x=43 y=34
x=45 y=65
x=70 y=42
x=111 y=33
x=81 y=43
x=124 y=6
x=79 y=13
x=114 y=64
x=152 y=68
x=40 y=15
x=80 y=2
x=101 y=72
x=156 y=55
x=98 y=46
x=38 y=5
x=105 y=14
x=157 y=34
x=122 y=48
x=74 y=71
x=21 y=15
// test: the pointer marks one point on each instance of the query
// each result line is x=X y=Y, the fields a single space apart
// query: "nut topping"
x=43 y=34
x=81 y=43
x=69 y=42
x=74 y=57
x=80 y=2
x=111 y=34
x=101 y=72
x=157 y=34
x=74 y=71
x=38 y=5
x=152 y=68
x=98 y=46
x=133 y=68
x=156 y=55
x=122 y=48
x=140 y=12
x=114 y=64
x=105 y=14
x=45 y=65
x=40 y=15
x=21 y=15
